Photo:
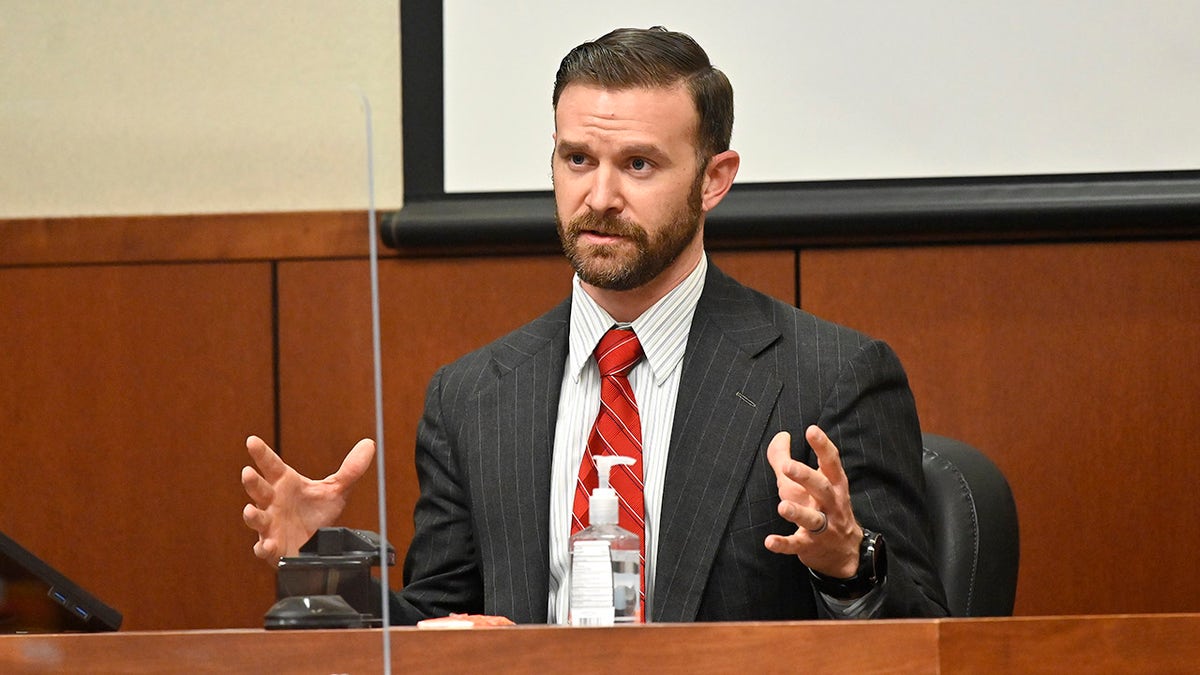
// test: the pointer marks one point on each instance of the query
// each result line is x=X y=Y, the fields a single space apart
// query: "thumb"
x=356 y=463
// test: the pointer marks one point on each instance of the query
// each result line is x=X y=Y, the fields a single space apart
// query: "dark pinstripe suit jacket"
x=754 y=366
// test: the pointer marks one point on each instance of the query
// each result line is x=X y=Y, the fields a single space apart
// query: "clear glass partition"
x=174 y=151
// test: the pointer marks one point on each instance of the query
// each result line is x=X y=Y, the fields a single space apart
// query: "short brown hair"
x=656 y=57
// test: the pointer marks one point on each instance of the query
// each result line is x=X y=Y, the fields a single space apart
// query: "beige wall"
x=141 y=107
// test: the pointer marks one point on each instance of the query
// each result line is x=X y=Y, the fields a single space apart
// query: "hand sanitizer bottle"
x=606 y=568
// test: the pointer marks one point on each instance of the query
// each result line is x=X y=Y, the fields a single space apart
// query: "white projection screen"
x=849 y=95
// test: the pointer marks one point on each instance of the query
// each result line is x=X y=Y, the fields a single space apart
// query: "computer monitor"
x=36 y=598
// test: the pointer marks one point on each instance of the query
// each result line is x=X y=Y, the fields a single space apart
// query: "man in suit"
x=741 y=523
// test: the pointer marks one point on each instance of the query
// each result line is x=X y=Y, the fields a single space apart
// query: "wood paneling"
x=123 y=394
x=772 y=272
x=1075 y=368
x=236 y=236
x=1093 y=644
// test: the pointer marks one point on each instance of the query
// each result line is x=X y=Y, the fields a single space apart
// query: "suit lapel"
x=521 y=408
x=726 y=395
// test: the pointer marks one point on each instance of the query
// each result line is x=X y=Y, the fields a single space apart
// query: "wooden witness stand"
x=1161 y=643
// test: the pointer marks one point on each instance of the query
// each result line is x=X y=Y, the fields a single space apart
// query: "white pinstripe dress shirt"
x=663 y=332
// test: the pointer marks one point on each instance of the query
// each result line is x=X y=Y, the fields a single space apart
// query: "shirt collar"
x=662 y=329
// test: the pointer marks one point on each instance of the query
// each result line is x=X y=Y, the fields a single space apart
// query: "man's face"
x=627 y=183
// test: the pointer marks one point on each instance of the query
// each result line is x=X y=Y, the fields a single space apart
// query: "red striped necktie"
x=618 y=431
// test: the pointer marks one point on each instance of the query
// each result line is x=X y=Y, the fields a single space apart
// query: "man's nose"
x=604 y=194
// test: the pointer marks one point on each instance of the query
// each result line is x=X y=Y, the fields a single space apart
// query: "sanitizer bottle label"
x=591 y=584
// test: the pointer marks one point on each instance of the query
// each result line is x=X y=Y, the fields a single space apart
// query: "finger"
x=809 y=481
x=258 y=489
x=779 y=452
x=777 y=543
x=810 y=519
x=356 y=463
x=797 y=481
x=266 y=549
x=268 y=463
x=255 y=518
x=828 y=458
x=779 y=456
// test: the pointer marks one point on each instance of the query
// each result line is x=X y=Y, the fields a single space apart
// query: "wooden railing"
x=1095 y=644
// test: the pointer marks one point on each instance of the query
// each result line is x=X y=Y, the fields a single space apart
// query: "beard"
x=613 y=267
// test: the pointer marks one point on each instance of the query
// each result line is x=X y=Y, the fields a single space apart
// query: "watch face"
x=876 y=553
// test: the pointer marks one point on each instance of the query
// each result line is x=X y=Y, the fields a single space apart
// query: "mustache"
x=605 y=224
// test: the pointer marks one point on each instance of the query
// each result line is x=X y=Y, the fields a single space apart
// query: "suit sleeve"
x=871 y=416
x=441 y=573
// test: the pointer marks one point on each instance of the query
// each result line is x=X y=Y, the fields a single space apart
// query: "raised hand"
x=289 y=508
x=817 y=501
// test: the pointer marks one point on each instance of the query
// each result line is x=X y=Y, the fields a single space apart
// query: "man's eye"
x=576 y=159
x=639 y=164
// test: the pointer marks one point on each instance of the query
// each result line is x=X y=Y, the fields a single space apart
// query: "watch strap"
x=872 y=570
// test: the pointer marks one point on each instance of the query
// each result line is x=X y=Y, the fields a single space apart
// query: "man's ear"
x=718 y=177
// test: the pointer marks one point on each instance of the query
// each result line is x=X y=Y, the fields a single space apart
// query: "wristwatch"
x=872 y=570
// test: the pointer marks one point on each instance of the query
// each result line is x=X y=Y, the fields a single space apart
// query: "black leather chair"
x=976 y=540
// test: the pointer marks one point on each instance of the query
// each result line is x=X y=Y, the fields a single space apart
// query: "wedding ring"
x=824 y=524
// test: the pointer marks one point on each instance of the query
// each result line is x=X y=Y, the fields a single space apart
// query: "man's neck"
x=625 y=306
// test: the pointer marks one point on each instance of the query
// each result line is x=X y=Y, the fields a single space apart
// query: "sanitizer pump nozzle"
x=602 y=507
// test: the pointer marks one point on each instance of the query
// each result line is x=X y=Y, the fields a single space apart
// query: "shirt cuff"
x=866 y=607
